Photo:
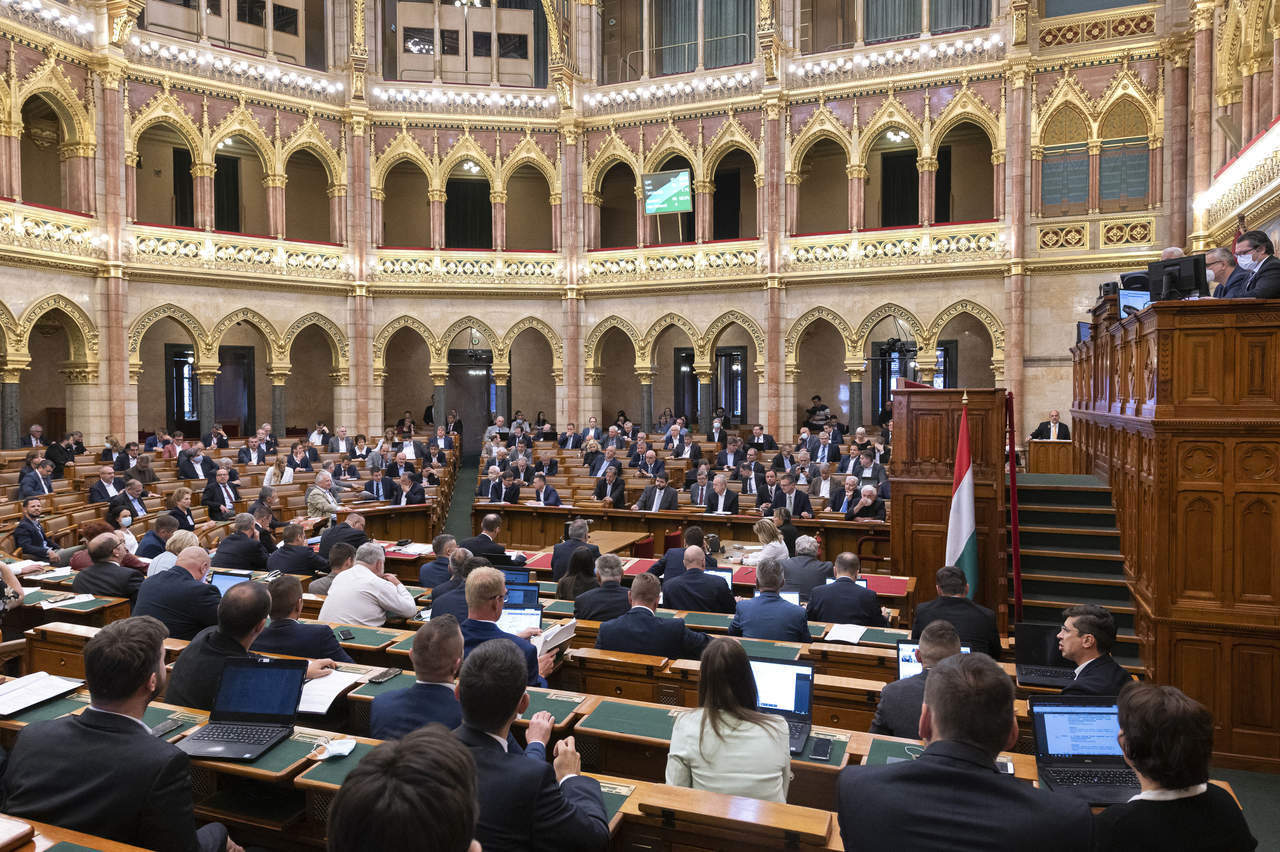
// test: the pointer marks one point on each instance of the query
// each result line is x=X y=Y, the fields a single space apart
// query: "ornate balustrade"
x=26 y=228
x=896 y=247
x=677 y=262
x=424 y=266
x=235 y=253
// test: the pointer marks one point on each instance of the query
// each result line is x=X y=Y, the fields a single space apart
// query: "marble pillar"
x=502 y=392
x=274 y=184
x=439 y=380
x=437 y=218
x=337 y=214
x=278 y=399
x=1015 y=279
x=646 y=397
x=1095 y=161
x=1202 y=20
x=10 y=409
x=855 y=399
x=705 y=404
x=857 y=193
x=498 y=213
x=1178 y=201
x=202 y=195
x=204 y=401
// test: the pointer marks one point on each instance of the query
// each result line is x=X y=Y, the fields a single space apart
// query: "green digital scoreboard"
x=668 y=192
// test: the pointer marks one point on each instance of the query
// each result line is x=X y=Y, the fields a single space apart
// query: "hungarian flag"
x=962 y=535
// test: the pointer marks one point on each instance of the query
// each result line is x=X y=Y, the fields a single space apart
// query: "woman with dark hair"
x=726 y=745
x=1167 y=740
x=546 y=431
x=580 y=577
x=120 y=517
x=782 y=520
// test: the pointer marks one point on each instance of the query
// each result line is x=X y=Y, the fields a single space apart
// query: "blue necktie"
x=845 y=506
x=377 y=490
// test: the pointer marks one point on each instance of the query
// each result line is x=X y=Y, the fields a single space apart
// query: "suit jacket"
x=34 y=485
x=453 y=602
x=103 y=774
x=1209 y=821
x=764 y=442
x=768 y=616
x=698 y=493
x=417 y=495
x=375 y=461
x=698 y=591
x=717 y=436
x=313 y=641
x=248 y=456
x=187 y=469
x=402 y=711
x=149 y=546
x=779 y=463
x=60 y=456
x=183 y=603
x=617 y=492
x=799 y=502
x=239 y=551
x=523 y=808
x=569 y=440
x=388 y=488
x=604 y=602
x=482 y=545
x=509 y=493
x=898 y=713
x=108 y=579
x=1042 y=432
x=695 y=451
x=596 y=467
x=730 y=501
x=1103 y=676
x=30 y=540
x=803 y=574
x=123 y=462
x=340 y=532
x=658 y=468
x=975 y=624
x=433 y=573
x=592 y=432
x=952 y=798
x=334 y=448
x=1233 y=288
x=476 y=633
x=194 y=681
x=213 y=499
x=303 y=463
x=671 y=565
x=549 y=496
x=445 y=443
x=297 y=559
x=640 y=631
x=563 y=550
x=876 y=474
x=137 y=507
x=874 y=512
x=526 y=476
x=669 y=502
x=210 y=441
x=845 y=602
x=833 y=455
x=1265 y=281
x=98 y=491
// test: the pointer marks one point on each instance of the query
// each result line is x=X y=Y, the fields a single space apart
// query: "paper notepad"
x=17 y=695
x=51 y=574
x=416 y=548
x=74 y=599
x=23 y=564
x=555 y=636
x=851 y=633
x=319 y=694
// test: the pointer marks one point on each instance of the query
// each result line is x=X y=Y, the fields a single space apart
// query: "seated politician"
x=671 y=565
x=805 y=572
x=609 y=599
x=640 y=631
x=436 y=656
x=486 y=592
x=295 y=556
x=450 y=597
x=1087 y=634
x=695 y=590
x=898 y=711
x=563 y=550
x=284 y=634
x=179 y=596
x=975 y=623
x=844 y=601
x=768 y=615
x=366 y=593
x=435 y=572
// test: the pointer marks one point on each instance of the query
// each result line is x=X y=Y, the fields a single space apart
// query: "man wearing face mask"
x=1221 y=266
x=1255 y=253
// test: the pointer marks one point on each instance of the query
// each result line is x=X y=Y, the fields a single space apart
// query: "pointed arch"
x=466 y=148
x=145 y=320
x=893 y=114
x=50 y=82
x=8 y=328
x=731 y=135
x=529 y=153
x=823 y=124
x=670 y=143
x=863 y=334
x=1229 y=52
x=591 y=351
x=644 y=353
x=401 y=147
x=553 y=339
x=807 y=319
x=614 y=150
x=276 y=354
x=1052 y=125
x=967 y=107
x=335 y=335
x=310 y=138
x=1127 y=87
x=726 y=319
x=82 y=334
x=965 y=306
x=441 y=353
x=164 y=108
x=241 y=122
x=383 y=337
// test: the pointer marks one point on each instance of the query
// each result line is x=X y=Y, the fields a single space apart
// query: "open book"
x=850 y=633
x=554 y=637
x=18 y=695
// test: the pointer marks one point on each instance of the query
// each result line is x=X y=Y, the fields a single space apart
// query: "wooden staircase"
x=1071 y=554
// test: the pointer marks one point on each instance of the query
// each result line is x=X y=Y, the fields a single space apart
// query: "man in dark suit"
x=379 y=487
x=522 y=471
x=286 y=635
x=129 y=458
x=194 y=464
x=721 y=498
x=436 y=656
x=790 y=498
x=241 y=549
x=560 y=554
x=844 y=601
x=952 y=797
x=220 y=497
x=592 y=430
x=804 y=572
x=754 y=477
x=1051 y=430
x=107 y=486
x=450 y=598
x=525 y=803
x=350 y=531
x=263 y=523
x=1232 y=278
x=101 y=771
x=868 y=470
x=131 y=499
x=700 y=488
x=1087 y=635
x=35 y=436
x=826 y=451
x=216 y=438
x=604 y=462
x=487 y=542
x=410 y=493
x=761 y=440
x=611 y=488
x=153 y=543
x=696 y=590
x=658 y=497
x=30 y=540
x=898 y=711
x=180 y=597
x=1255 y=252
x=491 y=488
x=640 y=631
x=509 y=489
x=106 y=577
x=37 y=483
x=252 y=452
x=61 y=453
x=731 y=457
x=435 y=572
x=441 y=440
x=486 y=591
x=242 y=616
x=685 y=448
x=784 y=461
x=614 y=439
x=544 y=493
x=570 y=439
x=717 y=435
x=975 y=624
x=608 y=600
x=650 y=466
x=671 y=565
x=294 y=555
x=768 y=615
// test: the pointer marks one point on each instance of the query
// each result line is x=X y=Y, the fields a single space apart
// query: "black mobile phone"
x=346 y=635
x=821 y=749
x=165 y=727
x=384 y=675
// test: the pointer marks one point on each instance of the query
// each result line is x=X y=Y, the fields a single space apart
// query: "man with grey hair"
x=1231 y=277
x=1172 y=253
x=609 y=599
x=804 y=572
x=219 y=496
x=106 y=576
x=491 y=488
x=320 y=502
x=365 y=594
x=180 y=597
x=241 y=550
x=768 y=615
x=560 y=554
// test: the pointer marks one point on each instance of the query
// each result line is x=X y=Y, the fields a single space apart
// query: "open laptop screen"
x=861 y=581
x=514 y=620
x=254 y=690
x=522 y=595
x=791 y=597
x=908 y=665
x=225 y=581
x=515 y=576
x=1037 y=645
x=727 y=576
x=1082 y=731
x=783 y=688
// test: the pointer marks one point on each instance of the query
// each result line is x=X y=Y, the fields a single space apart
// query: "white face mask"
x=1208 y=275
x=126 y=522
x=1247 y=263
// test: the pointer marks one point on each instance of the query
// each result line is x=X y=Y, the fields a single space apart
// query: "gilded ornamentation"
x=480 y=331
x=591 y=355
x=333 y=334
x=720 y=323
x=548 y=333
x=410 y=266
x=237 y=253
x=966 y=306
x=82 y=332
x=822 y=124
x=1128 y=233
x=1066 y=235
x=798 y=327
x=1097 y=29
x=873 y=319
x=671 y=262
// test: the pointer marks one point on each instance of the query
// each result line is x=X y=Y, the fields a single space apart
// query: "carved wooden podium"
x=926 y=429
x=1178 y=407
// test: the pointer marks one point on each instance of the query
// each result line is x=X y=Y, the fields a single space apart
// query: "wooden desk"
x=1045 y=456
x=95 y=613
x=612 y=541
x=47 y=836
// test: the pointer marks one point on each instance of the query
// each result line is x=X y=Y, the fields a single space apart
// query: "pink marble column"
x=1015 y=281
x=591 y=222
x=556 y=239
x=437 y=218
x=792 y=187
x=1262 y=95
x=78 y=186
x=640 y=219
x=925 y=199
x=1155 y=178
x=857 y=198
x=376 y=197
x=1246 y=110
x=1177 y=134
x=1201 y=168
x=274 y=185
x=115 y=289
x=11 y=174
x=131 y=191
x=573 y=356
x=702 y=224
x=1095 y=194
x=498 y=211
x=202 y=195
x=997 y=188
x=337 y=215
x=1275 y=73
x=1037 y=164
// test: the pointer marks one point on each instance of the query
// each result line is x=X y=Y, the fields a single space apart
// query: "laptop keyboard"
x=798 y=729
x=248 y=734
x=1047 y=671
x=1092 y=777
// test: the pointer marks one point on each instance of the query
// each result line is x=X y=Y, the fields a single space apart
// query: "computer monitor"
x=514 y=576
x=1178 y=278
x=727 y=576
x=222 y=582
x=791 y=597
x=908 y=665
x=1132 y=301
x=783 y=688
x=521 y=595
x=861 y=581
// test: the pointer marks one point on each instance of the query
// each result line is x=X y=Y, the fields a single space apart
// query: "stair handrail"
x=1013 y=509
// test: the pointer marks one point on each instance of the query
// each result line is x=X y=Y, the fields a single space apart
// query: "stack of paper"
x=552 y=638
x=320 y=693
x=851 y=633
x=51 y=574
x=415 y=549
x=17 y=695
x=74 y=599
x=24 y=564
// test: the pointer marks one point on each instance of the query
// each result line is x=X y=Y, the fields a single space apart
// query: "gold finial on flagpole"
x=964 y=400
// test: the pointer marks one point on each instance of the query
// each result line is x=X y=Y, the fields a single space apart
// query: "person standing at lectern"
x=1051 y=430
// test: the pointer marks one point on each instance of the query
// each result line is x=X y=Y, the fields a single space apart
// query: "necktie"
x=495 y=493
x=751 y=484
x=822 y=453
x=138 y=508
x=657 y=500
x=44 y=483
x=226 y=496
x=844 y=507
x=790 y=500
x=720 y=501
x=603 y=467
x=377 y=490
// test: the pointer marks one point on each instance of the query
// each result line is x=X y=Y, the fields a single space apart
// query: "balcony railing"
x=236 y=253
x=423 y=266
x=710 y=260
x=896 y=247
x=44 y=230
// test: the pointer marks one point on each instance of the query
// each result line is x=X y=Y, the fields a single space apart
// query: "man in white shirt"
x=499 y=426
x=364 y=594
x=341 y=443
x=320 y=502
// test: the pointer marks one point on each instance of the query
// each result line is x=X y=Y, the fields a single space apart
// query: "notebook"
x=786 y=690
x=520 y=618
x=255 y=707
x=1077 y=751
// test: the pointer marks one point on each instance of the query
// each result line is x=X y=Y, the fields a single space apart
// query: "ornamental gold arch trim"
x=967 y=107
x=821 y=312
x=338 y=346
x=823 y=124
x=383 y=338
x=591 y=352
x=893 y=113
x=644 y=352
x=730 y=136
x=547 y=332
x=163 y=108
x=466 y=148
x=50 y=82
x=979 y=312
x=184 y=318
x=82 y=332
x=613 y=151
x=1229 y=49
x=672 y=143
x=440 y=354
x=309 y=137
x=722 y=322
x=276 y=355
x=243 y=123
x=1256 y=30
x=1125 y=87
x=528 y=152
x=402 y=147
x=858 y=344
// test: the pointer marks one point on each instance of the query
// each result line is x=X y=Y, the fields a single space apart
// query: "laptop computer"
x=222 y=582
x=861 y=581
x=521 y=595
x=786 y=690
x=908 y=665
x=725 y=575
x=1036 y=654
x=515 y=619
x=256 y=703
x=515 y=576
x=1076 y=748
x=791 y=597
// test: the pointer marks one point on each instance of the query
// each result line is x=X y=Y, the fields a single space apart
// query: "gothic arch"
x=8 y=329
x=145 y=320
x=725 y=320
x=553 y=340
x=389 y=330
x=892 y=113
x=275 y=353
x=241 y=122
x=979 y=312
x=441 y=353
x=82 y=333
x=968 y=107
x=805 y=320
x=591 y=353
x=1229 y=53
x=823 y=124
x=164 y=108
x=337 y=339
x=863 y=334
x=528 y=153
x=730 y=136
x=310 y=138
x=644 y=352
x=1068 y=94
x=671 y=143
x=614 y=150
x=48 y=80
x=1126 y=86
x=466 y=148
x=402 y=147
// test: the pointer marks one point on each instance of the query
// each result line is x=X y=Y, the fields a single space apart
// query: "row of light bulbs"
x=653 y=91
x=959 y=47
x=50 y=15
x=262 y=71
x=428 y=97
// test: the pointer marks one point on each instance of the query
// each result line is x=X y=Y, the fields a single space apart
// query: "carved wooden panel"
x=1255 y=368
x=1256 y=462
x=1255 y=698
x=1256 y=555
x=1198 y=373
x=1196 y=666
x=1197 y=569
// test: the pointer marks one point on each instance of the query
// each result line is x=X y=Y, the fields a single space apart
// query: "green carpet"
x=458 y=522
x=1258 y=793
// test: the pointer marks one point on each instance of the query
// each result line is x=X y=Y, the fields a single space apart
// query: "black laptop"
x=786 y=690
x=255 y=708
x=1077 y=751
x=1039 y=662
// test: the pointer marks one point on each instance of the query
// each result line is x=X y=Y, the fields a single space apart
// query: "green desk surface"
x=558 y=704
x=64 y=846
x=367 y=637
x=155 y=715
x=708 y=619
x=417 y=591
x=614 y=797
x=281 y=756
x=838 y=746
x=54 y=708
x=666 y=613
x=558 y=608
x=816 y=629
x=39 y=595
x=764 y=650
x=334 y=772
x=880 y=636
x=373 y=690
x=405 y=644
x=635 y=719
x=546 y=587
x=888 y=751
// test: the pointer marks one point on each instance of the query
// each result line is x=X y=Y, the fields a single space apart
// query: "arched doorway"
x=45 y=398
x=306 y=199
x=528 y=211
x=675 y=227
x=309 y=388
x=822 y=198
x=963 y=355
x=618 y=207
x=168 y=390
x=733 y=206
x=533 y=386
x=619 y=385
x=406 y=211
x=43 y=181
x=820 y=362
x=675 y=383
x=164 y=190
x=733 y=370
x=408 y=378
x=886 y=364
x=239 y=194
x=962 y=186
x=471 y=390
x=892 y=197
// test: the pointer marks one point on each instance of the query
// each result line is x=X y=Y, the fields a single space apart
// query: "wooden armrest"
x=617 y=659
x=785 y=823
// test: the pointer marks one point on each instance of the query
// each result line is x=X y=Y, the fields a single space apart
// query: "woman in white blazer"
x=771 y=537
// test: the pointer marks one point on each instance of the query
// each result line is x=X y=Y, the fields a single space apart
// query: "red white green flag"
x=962 y=533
